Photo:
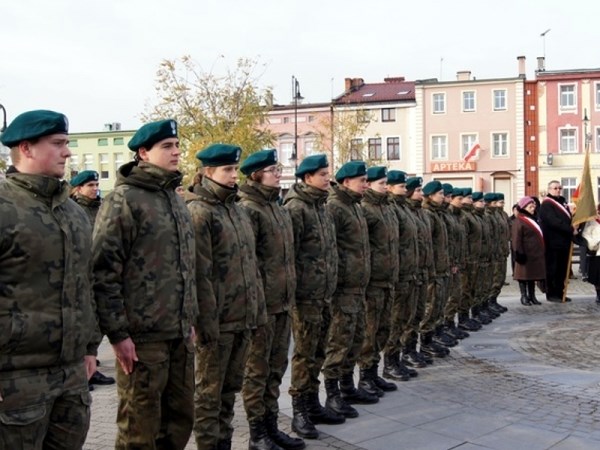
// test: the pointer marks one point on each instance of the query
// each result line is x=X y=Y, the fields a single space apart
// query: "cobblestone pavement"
x=531 y=379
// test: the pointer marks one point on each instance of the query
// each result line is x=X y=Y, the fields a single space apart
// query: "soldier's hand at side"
x=126 y=355
x=90 y=365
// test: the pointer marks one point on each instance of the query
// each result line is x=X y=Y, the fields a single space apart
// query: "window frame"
x=374 y=144
x=474 y=99
x=464 y=150
x=435 y=137
x=568 y=108
x=434 y=103
x=505 y=97
x=396 y=144
x=506 y=143
x=390 y=116
x=572 y=130
x=568 y=188
x=356 y=149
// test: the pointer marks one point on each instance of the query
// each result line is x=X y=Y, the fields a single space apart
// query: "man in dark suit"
x=555 y=221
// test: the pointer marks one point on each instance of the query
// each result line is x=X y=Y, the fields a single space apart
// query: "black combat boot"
x=385 y=386
x=466 y=323
x=301 y=424
x=523 y=288
x=410 y=357
x=598 y=297
x=355 y=396
x=531 y=293
x=367 y=383
x=391 y=369
x=259 y=439
x=480 y=316
x=489 y=311
x=335 y=402
x=497 y=306
x=451 y=329
x=428 y=347
x=224 y=444
x=317 y=414
x=441 y=338
x=279 y=437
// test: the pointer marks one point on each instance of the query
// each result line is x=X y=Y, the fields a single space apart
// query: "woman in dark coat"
x=528 y=245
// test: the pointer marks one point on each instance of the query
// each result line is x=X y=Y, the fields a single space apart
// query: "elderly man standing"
x=47 y=314
x=145 y=287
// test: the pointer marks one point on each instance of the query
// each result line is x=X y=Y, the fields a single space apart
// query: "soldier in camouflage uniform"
x=85 y=194
x=494 y=256
x=457 y=254
x=144 y=260
x=482 y=287
x=438 y=284
x=316 y=272
x=404 y=307
x=504 y=245
x=47 y=315
x=269 y=344
x=230 y=294
x=346 y=331
x=383 y=242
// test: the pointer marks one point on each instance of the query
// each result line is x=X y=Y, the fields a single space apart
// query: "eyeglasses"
x=278 y=170
x=556 y=188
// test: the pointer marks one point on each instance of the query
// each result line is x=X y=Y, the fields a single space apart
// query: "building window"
x=388 y=115
x=567 y=96
x=309 y=147
x=88 y=161
x=102 y=142
x=597 y=96
x=356 y=149
x=499 y=145
x=499 y=99
x=74 y=165
x=393 y=148
x=597 y=140
x=468 y=141
x=439 y=149
x=439 y=103
x=568 y=187
x=286 y=150
x=468 y=101
x=118 y=141
x=286 y=120
x=119 y=161
x=363 y=116
x=568 y=140
x=73 y=143
x=104 y=172
x=375 y=148
x=311 y=119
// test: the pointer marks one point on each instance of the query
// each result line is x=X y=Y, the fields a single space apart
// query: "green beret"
x=351 y=169
x=477 y=196
x=457 y=192
x=84 y=177
x=448 y=188
x=414 y=182
x=312 y=164
x=396 y=177
x=489 y=197
x=34 y=124
x=376 y=173
x=467 y=191
x=259 y=160
x=499 y=196
x=216 y=155
x=432 y=187
x=151 y=133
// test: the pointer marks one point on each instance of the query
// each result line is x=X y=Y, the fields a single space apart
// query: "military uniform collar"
x=39 y=185
x=346 y=195
x=223 y=193
x=268 y=193
x=315 y=194
x=376 y=198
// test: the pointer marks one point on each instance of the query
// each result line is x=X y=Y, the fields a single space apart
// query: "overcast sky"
x=96 y=61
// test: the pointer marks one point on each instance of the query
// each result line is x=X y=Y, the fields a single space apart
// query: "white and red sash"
x=533 y=225
x=561 y=207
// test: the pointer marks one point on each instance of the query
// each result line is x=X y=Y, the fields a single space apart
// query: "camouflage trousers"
x=436 y=301
x=483 y=285
x=219 y=376
x=310 y=322
x=420 y=301
x=378 y=309
x=455 y=297
x=44 y=408
x=499 y=277
x=402 y=314
x=266 y=365
x=345 y=335
x=468 y=278
x=155 y=400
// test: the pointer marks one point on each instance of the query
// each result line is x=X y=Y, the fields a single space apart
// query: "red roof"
x=392 y=90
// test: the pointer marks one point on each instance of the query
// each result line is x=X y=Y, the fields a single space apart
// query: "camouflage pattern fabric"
x=474 y=240
x=91 y=206
x=457 y=254
x=378 y=313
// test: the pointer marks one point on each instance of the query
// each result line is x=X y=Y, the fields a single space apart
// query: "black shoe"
x=412 y=359
x=101 y=379
x=301 y=423
x=465 y=323
x=391 y=368
x=355 y=396
x=433 y=351
x=279 y=437
x=90 y=387
x=259 y=438
x=567 y=299
x=407 y=370
x=554 y=299
x=224 y=445
x=444 y=339
x=320 y=415
x=367 y=383
x=336 y=402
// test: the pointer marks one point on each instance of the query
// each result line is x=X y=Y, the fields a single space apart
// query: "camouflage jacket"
x=439 y=237
x=473 y=225
x=495 y=233
x=314 y=243
x=408 y=239
x=47 y=313
x=91 y=206
x=486 y=235
x=459 y=234
x=144 y=258
x=230 y=292
x=274 y=237
x=505 y=236
x=425 y=268
x=352 y=238
x=451 y=216
x=383 y=238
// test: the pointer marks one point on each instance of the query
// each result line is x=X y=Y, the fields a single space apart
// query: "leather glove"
x=521 y=258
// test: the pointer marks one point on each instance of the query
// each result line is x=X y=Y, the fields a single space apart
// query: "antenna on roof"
x=441 y=67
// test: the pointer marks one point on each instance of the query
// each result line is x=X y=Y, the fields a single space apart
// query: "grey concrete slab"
x=465 y=426
x=412 y=439
x=576 y=443
x=364 y=428
x=520 y=437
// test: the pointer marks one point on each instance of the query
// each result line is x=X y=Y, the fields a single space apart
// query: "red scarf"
x=529 y=222
x=563 y=208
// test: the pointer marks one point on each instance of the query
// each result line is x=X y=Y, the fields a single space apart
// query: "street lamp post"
x=295 y=96
x=4 y=119
x=587 y=136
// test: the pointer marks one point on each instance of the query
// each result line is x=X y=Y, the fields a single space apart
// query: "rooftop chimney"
x=522 y=72
x=463 y=75
x=394 y=79
x=541 y=63
x=353 y=83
